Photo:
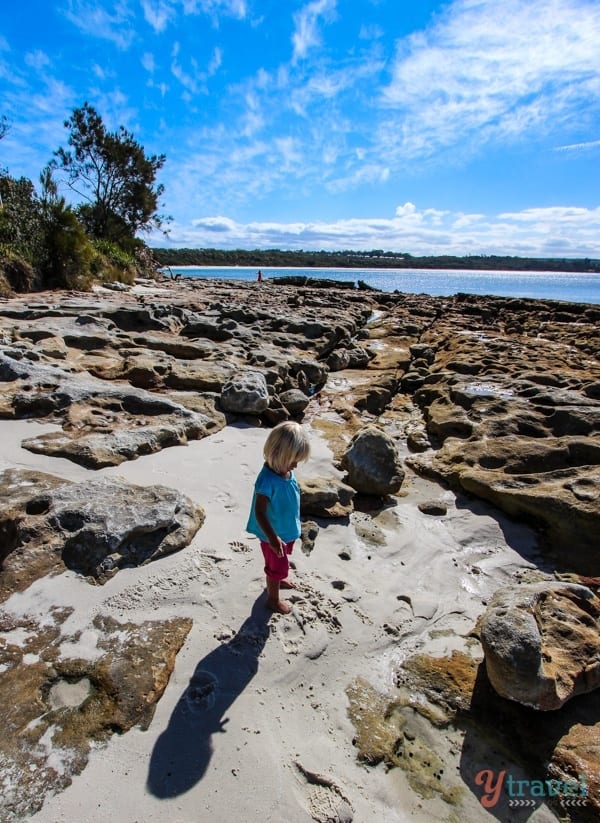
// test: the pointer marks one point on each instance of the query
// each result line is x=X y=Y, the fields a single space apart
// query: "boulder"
x=417 y=440
x=276 y=413
x=372 y=463
x=294 y=400
x=542 y=643
x=338 y=360
x=94 y=527
x=325 y=497
x=245 y=393
x=315 y=373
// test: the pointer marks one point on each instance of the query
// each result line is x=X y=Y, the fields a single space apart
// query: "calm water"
x=577 y=288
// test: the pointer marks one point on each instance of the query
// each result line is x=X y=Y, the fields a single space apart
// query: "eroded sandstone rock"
x=372 y=463
x=552 y=482
x=94 y=527
x=542 y=643
x=245 y=393
x=325 y=497
x=54 y=705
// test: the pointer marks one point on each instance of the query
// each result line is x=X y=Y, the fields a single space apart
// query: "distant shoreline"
x=376 y=259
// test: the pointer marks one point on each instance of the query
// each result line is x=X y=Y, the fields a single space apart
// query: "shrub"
x=68 y=252
x=112 y=264
x=16 y=273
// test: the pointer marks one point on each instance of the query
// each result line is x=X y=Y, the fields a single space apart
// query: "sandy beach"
x=279 y=704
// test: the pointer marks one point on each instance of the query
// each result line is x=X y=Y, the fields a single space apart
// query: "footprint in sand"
x=225 y=499
x=238 y=546
x=306 y=630
x=200 y=694
x=326 y=801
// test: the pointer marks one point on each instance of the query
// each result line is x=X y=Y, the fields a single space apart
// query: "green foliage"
x=21 y=218
x=115 y=254
x=68 y=251
x=113 y=264
x=376 y=259
x=42 y=243
x=112 y=173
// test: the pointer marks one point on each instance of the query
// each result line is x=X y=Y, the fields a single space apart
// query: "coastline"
x=300 y=717
x=569 y=287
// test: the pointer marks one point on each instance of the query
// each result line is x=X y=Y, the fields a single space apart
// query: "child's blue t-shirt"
x=283 y=508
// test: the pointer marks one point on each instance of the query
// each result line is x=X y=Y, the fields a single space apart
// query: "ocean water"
x=575 y=288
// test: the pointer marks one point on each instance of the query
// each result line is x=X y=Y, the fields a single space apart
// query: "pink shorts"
x=276 y=568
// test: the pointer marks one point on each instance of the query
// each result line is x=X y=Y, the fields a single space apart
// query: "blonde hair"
x=286 y=444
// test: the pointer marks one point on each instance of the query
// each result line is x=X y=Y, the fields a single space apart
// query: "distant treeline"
x=376 y=259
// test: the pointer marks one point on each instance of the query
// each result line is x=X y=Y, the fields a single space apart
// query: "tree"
x=21 y=221
x=114 y=176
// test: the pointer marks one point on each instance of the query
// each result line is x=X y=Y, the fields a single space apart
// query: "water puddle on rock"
x=69 y=694
x=487 y=390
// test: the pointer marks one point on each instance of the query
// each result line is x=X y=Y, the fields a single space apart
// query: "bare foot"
x=287 y=584
x=279 y=606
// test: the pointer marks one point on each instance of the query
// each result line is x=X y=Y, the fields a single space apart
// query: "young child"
x=275 y=513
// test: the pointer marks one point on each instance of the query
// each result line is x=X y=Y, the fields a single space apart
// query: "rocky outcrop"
x=245 y=393
x=94 y=527
x=372 y=463
x=101 y=420
x=325 y=497
x=552 y=482
x=58 y=699
x=95 y=451
x=462 y=381
x=499 y=398
x=542 y=643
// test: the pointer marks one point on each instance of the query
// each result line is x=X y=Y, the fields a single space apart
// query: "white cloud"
x=215 y=61
x=371 y=32
x=488 y=71
x=158 y=13
x=590 y=144
x=37 y=59
x=366 y=173
x=232 y=8
x=190 y=80
x=102 y=72
x=550 y=232
x=306 y=33
x=95 y=21
x=148 y=62
x=406 y=209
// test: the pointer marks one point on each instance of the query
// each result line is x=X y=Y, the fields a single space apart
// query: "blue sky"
x=464 y=127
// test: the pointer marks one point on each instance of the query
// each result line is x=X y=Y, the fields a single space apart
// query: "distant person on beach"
x=275 y=511
x=259 y=276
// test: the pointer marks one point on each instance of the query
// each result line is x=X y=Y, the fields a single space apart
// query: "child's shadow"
x=182 y=753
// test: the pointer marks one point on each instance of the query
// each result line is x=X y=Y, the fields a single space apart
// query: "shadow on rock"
x=520 y=536
x=182 y=753
x=515 y=758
